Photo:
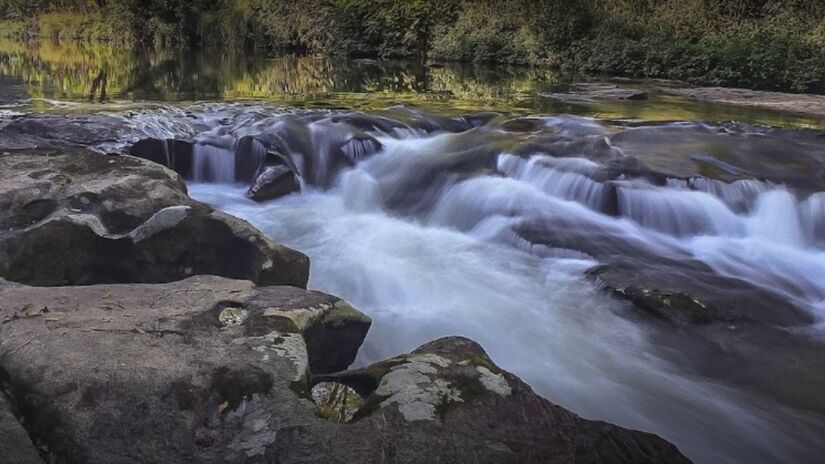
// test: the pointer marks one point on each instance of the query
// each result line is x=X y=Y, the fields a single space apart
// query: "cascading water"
x=212 y=164
x=457 y=260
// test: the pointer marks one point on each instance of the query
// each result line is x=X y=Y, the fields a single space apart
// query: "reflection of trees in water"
x=99 y=72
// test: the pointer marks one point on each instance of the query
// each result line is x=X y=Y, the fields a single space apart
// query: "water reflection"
x=99 y=73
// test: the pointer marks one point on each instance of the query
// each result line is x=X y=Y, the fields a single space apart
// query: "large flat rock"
x=216 y=370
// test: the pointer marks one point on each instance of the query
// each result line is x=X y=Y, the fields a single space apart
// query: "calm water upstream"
x=485 y=225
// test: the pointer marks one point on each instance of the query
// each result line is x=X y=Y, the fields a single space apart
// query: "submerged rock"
x=80 y=218
x=779 y=101
x=216 y=370
x=587 y=92
x=688 y=292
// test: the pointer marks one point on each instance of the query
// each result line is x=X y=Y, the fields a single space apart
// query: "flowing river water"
x=438 y=220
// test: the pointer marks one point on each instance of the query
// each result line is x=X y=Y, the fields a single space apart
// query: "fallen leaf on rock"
x=223 y=407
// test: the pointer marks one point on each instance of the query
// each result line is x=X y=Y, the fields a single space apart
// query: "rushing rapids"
x=508 y=230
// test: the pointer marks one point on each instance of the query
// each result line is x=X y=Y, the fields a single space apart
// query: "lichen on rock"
x=496 y=383
x=414 y=392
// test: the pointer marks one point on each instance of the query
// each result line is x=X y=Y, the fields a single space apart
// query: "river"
x=446 y=219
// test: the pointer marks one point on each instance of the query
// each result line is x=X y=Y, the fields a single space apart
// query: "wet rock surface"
x=48 y=130
x=193 y=371
x=586 y=92
x=273 y=181
x=80 y=218
x=794 y=103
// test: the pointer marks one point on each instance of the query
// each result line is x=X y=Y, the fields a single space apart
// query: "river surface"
x=446 y=221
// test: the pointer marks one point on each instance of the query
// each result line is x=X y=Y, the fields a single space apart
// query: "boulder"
x=214 y=370
x=15 y=445
x=171 y=367
x=80 y=218
x=450 y=388
x=273 y=181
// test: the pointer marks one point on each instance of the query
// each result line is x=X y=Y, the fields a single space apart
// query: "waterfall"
x=561 y=177
x=213 y=164
x=677 y=213
x=812 y=216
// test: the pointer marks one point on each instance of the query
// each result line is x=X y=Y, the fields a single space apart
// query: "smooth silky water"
x=447 y=259
x=458 y=270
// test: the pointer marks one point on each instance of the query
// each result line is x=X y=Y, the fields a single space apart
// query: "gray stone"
x=15 y=445
x=78 y=218
x=588 y=92
x=273 y=182
x=153 y=373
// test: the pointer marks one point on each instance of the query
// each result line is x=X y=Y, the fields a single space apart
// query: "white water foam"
x=455 y=273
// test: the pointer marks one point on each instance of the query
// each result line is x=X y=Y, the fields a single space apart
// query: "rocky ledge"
x=216 y=370
x=813 y=105
x=137 y=325
x=77 y=218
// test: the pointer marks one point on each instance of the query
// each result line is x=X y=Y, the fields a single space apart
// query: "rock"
x=687 y=292
x=215 y=370
x=121 y=191
x=731 y=152
x=588 y=92
x=813 y=105
x=161 y=365
x=56 y=130
x=316 y=148
x=452 y=385
x=123 y=219
x=271 y=182
x=15 y=445
x=174 y=154
x=332 y=329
